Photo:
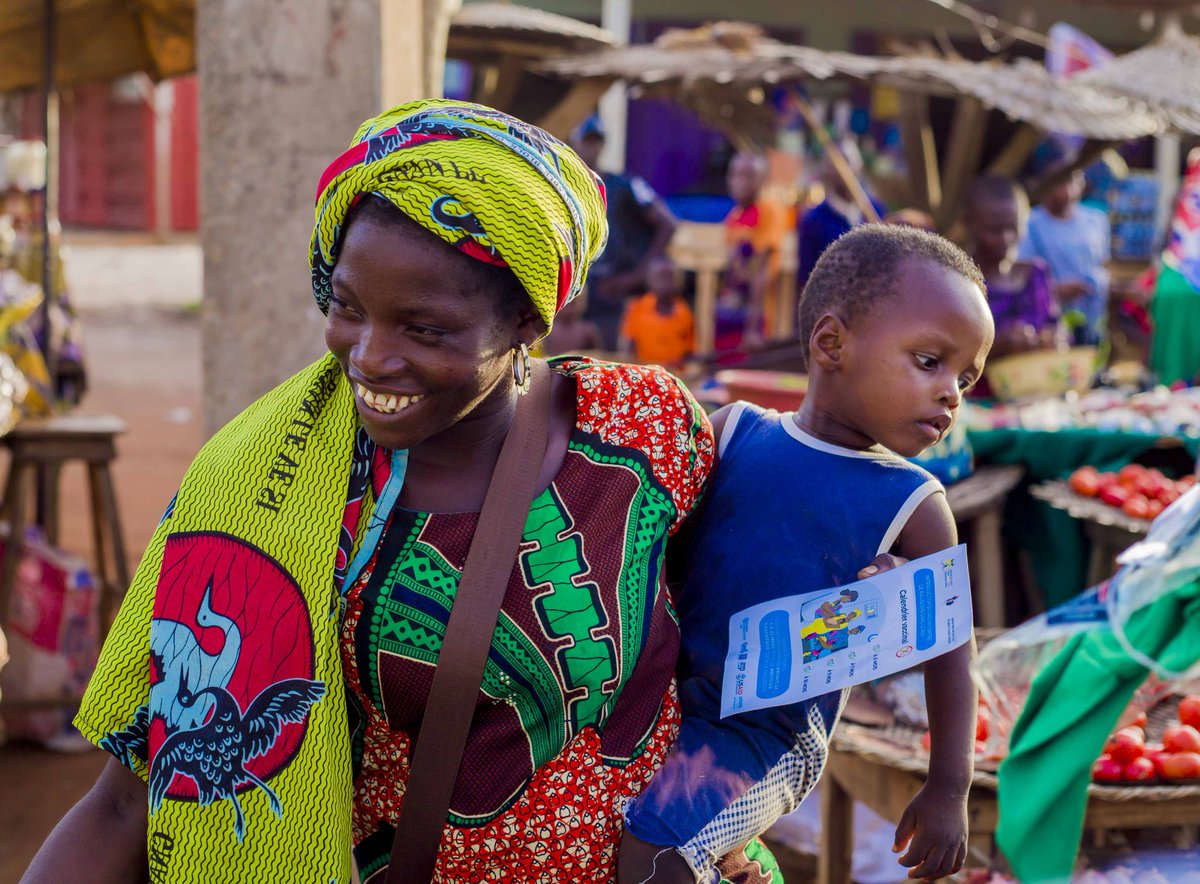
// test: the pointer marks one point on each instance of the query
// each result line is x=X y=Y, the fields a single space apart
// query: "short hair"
x=508 y=293
x=859 y=271
x=850 y=594
x=993 y=188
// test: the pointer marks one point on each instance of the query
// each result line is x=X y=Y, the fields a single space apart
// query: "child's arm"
x=934 y=825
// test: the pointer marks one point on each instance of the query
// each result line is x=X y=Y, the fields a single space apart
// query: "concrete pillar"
x=283 y=86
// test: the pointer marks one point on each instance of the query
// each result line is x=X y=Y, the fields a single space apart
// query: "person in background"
x=1018 y=292
x=1074 y=241
x=658 y=327
x=572 y=333
x=754 y=231
x=832 y=217
x=639 y=228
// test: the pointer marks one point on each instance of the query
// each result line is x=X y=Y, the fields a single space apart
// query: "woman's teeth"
x=385 y=403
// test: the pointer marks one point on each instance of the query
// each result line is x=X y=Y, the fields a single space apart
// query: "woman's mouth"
x=385 y=403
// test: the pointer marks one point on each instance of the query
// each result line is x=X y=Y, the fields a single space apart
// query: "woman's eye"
x=928 y=363
x=424 y=331
x=336 y=303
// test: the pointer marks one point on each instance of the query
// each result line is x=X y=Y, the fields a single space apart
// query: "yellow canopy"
x=96 y=40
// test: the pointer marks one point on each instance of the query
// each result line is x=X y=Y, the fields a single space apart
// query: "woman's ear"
x=826 y=342
x=530 y=325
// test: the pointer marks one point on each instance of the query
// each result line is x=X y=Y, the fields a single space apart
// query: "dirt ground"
x=144 y=367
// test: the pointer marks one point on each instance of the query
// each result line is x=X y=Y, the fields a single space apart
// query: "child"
x=897 y=329
x=1018 y=292
x=1074 y=241
x=658 y=327
x=754 y=231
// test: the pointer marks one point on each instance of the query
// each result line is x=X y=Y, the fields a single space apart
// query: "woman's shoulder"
x=645 y=408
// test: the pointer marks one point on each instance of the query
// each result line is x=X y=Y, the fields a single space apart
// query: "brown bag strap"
x=451 y=704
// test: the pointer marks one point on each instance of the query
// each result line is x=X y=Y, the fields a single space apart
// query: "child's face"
x=743 y=179
x=661 y=277
x=906 y=363
x=994 y=226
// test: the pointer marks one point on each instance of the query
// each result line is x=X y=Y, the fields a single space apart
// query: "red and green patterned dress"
x=577 y=708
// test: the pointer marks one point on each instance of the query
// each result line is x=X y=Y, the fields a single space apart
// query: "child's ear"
x=826 y=342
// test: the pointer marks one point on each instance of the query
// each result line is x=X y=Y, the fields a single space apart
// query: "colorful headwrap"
x=499 y=189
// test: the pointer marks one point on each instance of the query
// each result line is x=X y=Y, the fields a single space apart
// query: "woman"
x=309 y=561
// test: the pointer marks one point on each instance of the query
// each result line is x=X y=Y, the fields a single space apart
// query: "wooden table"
x=885 y=778
x=977 y=502
x=1110 y=530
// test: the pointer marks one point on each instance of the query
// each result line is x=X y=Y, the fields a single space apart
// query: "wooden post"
x=574 y=107
x=920 y=152
x=962 y=156
x=1012 y=157
x=836 y=858
x=840 y=163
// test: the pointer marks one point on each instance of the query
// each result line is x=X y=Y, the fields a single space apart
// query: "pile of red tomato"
x=1136 y=490
x=1128 y=758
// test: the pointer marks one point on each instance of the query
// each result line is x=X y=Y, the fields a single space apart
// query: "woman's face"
x=423 y=343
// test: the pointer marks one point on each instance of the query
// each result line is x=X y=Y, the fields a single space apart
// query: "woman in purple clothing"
x=1018 y=292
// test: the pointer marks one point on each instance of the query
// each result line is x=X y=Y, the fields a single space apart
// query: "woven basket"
x=1041 y=373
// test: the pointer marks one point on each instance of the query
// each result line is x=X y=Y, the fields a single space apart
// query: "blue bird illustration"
x=214 y=754
x=131 y=741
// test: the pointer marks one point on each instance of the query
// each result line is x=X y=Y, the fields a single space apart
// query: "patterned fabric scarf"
x=220 y=683
x=498 y=189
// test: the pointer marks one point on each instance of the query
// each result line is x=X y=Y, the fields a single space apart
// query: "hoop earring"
x=521 y=368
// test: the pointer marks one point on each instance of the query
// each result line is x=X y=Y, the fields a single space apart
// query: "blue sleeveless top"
x=786 y=514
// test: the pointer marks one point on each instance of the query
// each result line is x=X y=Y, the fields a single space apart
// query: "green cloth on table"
x=1073 y=705
x=1054 y=540
x=1175 y=344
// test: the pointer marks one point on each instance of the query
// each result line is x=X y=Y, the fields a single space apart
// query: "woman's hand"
x=642 y=863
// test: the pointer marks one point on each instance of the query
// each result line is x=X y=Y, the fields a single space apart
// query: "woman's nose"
x=375 y=355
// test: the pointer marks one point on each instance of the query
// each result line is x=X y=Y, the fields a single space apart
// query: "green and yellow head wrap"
x=499 y=189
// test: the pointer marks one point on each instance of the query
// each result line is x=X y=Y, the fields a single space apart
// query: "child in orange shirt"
x=754 y=231
x=658 y=327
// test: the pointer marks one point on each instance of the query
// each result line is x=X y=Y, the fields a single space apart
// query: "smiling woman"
x=447 y=237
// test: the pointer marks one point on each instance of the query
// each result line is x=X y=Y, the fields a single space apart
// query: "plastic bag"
x=53 y=636
x=1167 y=559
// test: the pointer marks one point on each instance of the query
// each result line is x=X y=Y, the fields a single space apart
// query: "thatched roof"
x=1026 y=91
x=1164 y=74
x=735 y=56
x=508 y=24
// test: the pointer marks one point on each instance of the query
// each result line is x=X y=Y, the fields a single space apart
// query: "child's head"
x=1059 y=198
x=661 y=276
x=855 y=630
x=849 y=595
x=994 y=217
x=895 y=328
x=745 y=177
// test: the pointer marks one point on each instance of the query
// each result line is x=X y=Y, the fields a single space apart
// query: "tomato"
x=1189 y=710
x=1181 y=739
x=983 y=724
x=1154 y=509
x=1181 y=766
x=1107 y=770
x=1185 y=483
x=1138 y=770
x=925 y=741
x=1136 y=506
x=1156 y=754
x=1125 y=745
x=1085 y=481
x=1168 y=494
x=1115 y=495
x=1130 y=474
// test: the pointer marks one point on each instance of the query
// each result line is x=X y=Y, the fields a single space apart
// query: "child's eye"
x=965 y=385
x=928 y=363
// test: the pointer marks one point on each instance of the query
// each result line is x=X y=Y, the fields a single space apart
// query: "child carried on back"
x=897 y=329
